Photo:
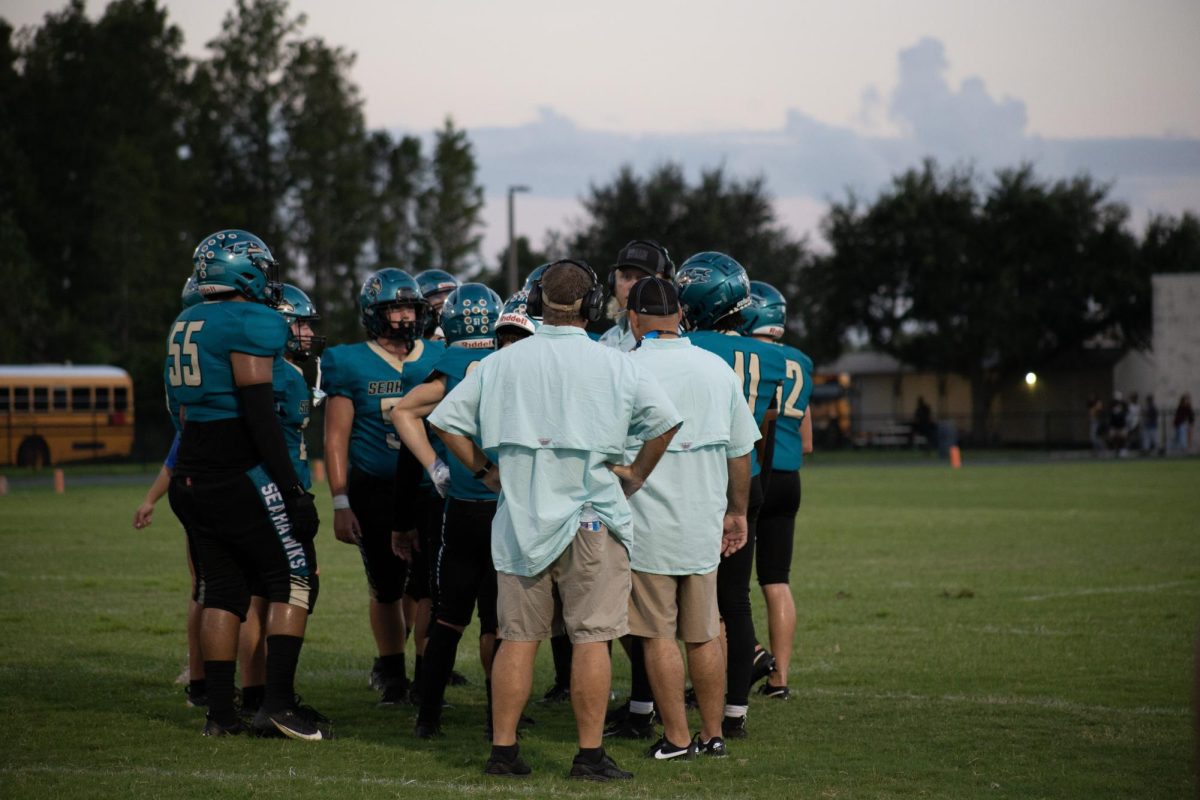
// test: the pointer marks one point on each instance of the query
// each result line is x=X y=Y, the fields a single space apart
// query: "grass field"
x=1010 y=631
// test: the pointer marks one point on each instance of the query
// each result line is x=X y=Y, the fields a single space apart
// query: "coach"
x=558 y=408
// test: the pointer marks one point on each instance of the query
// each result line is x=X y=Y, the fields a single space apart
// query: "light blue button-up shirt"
x=556 y=407
x=619 y=335
x=678 y=512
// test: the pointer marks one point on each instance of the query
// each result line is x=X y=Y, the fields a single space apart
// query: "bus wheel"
x=33 y=452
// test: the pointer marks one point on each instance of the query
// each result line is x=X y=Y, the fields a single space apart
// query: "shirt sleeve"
x=459 y=410
x=743 y=431
x=653 y=412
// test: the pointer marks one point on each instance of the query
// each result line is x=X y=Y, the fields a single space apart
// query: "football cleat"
x=604 y=770
x=458 y=679
x=764 y=665
x=395 y=693
x=214 y=728
x=632 y=726
x=556 y=694
x=713 y=748
x=428 y=730
x=662 y=750
x=375 y=681
x=775 y=692
x=197 y=699
x=515 y=768
x=734 y=728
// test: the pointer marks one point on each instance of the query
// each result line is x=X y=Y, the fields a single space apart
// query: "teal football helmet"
x=191 y=293
x=767 y=313
x=469 y=316
x=435 y=284
x=534 y=277
x=384 y=289
x=515 y=316
x=236 y=261
x=295 y=306
x=712 y=286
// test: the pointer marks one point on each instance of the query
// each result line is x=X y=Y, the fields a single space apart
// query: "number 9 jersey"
x=199 y=369
x=375 y=380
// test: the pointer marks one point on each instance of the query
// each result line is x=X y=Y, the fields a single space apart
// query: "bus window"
x=102 y=398
x=120 y=399
x=20 y=398
x=41 y=398
x=4 y=398
x=81 y=399
x=60 y=398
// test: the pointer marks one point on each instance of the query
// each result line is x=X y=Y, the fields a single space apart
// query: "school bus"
x=52 y=414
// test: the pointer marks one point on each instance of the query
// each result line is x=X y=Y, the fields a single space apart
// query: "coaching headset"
x=591 y=306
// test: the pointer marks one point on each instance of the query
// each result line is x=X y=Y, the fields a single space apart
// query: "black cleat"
x=556 y=694
x=690 y=701
x=713 y=748
x=297 y=722
x=734 y=728
x=632 y=726
x=604 y=770
x=616 y=714
x=196 y=699
x=764 y=665
x=662 y=750
x=395 y=693
x=214 y=728
x=375 y=680
x=525 y=721
x=775 y=692
x=516 y=768
x=457 y=679
x=428 y=730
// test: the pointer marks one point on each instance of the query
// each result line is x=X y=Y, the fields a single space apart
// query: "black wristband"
x=484 y=471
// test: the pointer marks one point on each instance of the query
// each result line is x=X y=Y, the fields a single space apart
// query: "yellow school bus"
x=52 y=414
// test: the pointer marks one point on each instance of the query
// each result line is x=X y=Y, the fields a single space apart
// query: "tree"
x=1172 y=244
x=398 y=173
x=451 y=205
x=987 y=285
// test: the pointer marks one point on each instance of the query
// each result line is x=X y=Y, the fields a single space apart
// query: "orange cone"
x=60 y=482
x=318 y=470
x=955 y=457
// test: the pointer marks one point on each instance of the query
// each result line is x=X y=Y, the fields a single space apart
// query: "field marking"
x=1050 y=703
x=1143 y=589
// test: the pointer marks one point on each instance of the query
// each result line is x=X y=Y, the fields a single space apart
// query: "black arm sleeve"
x=258 y=402
x=408 y=483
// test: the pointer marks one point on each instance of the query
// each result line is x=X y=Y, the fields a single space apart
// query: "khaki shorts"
x=674 y=607
x=588 y=584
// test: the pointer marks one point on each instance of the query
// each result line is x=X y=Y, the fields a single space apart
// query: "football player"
x=766 y=320
x=435 y=284
x=713 y=290
x=234 y=486
x=363 y=382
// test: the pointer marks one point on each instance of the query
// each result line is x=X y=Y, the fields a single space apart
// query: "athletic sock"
x=641 y=707
x=218 y=676
x=506 y=752
x=392 y=668
x=417 y=673
x=639 y=690
x=196 y=688
x=590 y=755
x=439 y=661
x=252 y=697
x=736 y=711
x=283 y=653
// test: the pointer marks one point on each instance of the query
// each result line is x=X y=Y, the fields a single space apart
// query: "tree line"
x=119 y=152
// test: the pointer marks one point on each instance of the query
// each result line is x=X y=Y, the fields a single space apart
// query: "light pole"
x=512 y=240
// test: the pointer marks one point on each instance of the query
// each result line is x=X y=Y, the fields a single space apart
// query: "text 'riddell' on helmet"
x=767 y=313
x=386 y=289
x=711 y=287
x=296 y=307
x=469 y=316
x=236 y=261
x=515 y=314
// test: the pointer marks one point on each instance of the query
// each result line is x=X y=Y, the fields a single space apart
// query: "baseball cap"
x=654 y=296
x=646 y=255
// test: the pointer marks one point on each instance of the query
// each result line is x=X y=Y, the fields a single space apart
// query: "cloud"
x=808 y=162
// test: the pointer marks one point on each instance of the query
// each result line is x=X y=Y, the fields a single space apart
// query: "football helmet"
x=435 y=284
x=236 y=261
x=191 y=293
x=469 y=316
x=386 y=288
x=295 y=306
x=516 y=315
x=711 y=287
x=767 y=313
x=534 y=278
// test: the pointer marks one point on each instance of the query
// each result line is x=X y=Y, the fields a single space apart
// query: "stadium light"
x=1030 y=379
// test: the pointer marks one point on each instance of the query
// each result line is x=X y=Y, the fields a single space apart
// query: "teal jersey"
x=456 y=363
x=375 y=380
x=760 y=366
x=199 y=367
x=292 y=401
x=792 y=401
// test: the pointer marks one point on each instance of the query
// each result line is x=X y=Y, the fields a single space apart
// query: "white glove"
x=439 y=473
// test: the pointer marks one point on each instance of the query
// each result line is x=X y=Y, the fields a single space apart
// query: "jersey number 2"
x=182 y=373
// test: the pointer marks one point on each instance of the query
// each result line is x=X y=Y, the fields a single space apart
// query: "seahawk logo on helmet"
x=236 y=261
x=469 y=316
x=385 y=289
x=712 y=286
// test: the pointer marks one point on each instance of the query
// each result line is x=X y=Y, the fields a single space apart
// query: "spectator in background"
x=923 y=424
x=1096 y=428
x=1118 y=414
x=1185 y=419
x=1133 y=423
x=1150 y=426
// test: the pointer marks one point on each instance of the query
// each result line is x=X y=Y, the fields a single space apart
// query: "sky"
x=818 y=97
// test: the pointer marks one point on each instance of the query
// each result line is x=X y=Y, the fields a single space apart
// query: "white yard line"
x=1086 y=591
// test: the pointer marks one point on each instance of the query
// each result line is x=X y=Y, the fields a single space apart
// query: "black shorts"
x=422 y=581
x=371 y=500
x=777 y=528
x=242 y=542
x=466 y=576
